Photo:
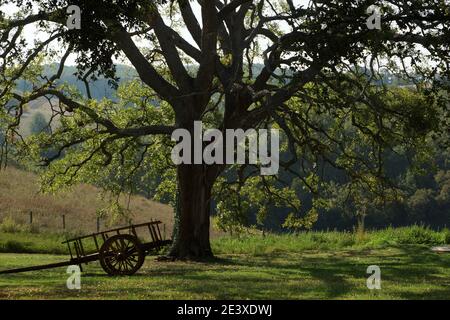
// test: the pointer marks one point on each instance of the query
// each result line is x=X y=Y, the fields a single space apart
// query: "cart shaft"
x=35 y=268
x=75 y=261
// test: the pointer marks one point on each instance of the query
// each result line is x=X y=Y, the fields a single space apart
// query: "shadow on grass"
x=408 y=272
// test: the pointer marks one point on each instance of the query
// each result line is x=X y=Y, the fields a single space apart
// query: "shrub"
x=446 y=235
x=14 y=246
x=9 y=225
x=318 y=238
x=418 y=235
x=346 y=241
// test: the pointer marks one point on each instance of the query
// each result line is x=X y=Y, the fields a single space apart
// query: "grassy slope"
x=19 y=195
x=39 y=106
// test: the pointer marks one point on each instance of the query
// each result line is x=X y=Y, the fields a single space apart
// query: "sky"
x=31 y=32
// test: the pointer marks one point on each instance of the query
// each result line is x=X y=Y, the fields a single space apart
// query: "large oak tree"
x=315 y=70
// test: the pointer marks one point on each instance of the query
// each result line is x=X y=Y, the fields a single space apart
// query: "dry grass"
x=19 y=194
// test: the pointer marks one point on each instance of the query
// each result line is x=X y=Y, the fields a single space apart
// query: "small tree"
x=39 y=124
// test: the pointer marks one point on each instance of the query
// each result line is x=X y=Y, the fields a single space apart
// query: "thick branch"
x=146 y=71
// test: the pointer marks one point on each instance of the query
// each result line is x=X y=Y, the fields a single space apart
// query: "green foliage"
x=13 y=246
x=257 y=243
x=129 y=165
x=421 y=235
x=343 y=117
x=142 y=164
x=329 y=240
x=9 y=225
x=446 y=235
x=257 y=194
x=355 y=144
x=24 y=242
x=306 y=222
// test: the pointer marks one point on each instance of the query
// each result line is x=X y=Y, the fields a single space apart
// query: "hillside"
x=19 y=194
x=39 y=106
x=100 y=87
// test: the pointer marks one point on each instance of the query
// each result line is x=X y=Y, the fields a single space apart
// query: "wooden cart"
x=119 y=251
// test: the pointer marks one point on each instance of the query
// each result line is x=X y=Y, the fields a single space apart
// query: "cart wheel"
x=121 y=255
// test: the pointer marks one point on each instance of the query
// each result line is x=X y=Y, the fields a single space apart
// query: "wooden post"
x=64 y=221
x=31 y=217
x=98 y=224
x=164 y=231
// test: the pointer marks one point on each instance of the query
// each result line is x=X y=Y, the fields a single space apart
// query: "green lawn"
x=407 y=272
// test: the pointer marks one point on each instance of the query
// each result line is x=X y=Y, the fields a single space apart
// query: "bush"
x=9 y=225
x=331 y=240
x=446 y=235
x=418 y=235
x=318 y=238
x=346 y=242
x=14 y=246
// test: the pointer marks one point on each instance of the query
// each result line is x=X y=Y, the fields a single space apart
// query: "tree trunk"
x=191 y=233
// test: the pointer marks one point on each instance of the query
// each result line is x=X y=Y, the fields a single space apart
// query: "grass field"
x=314 y=265
x=408 y=272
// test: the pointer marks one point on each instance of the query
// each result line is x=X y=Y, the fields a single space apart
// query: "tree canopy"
x=314 y=70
